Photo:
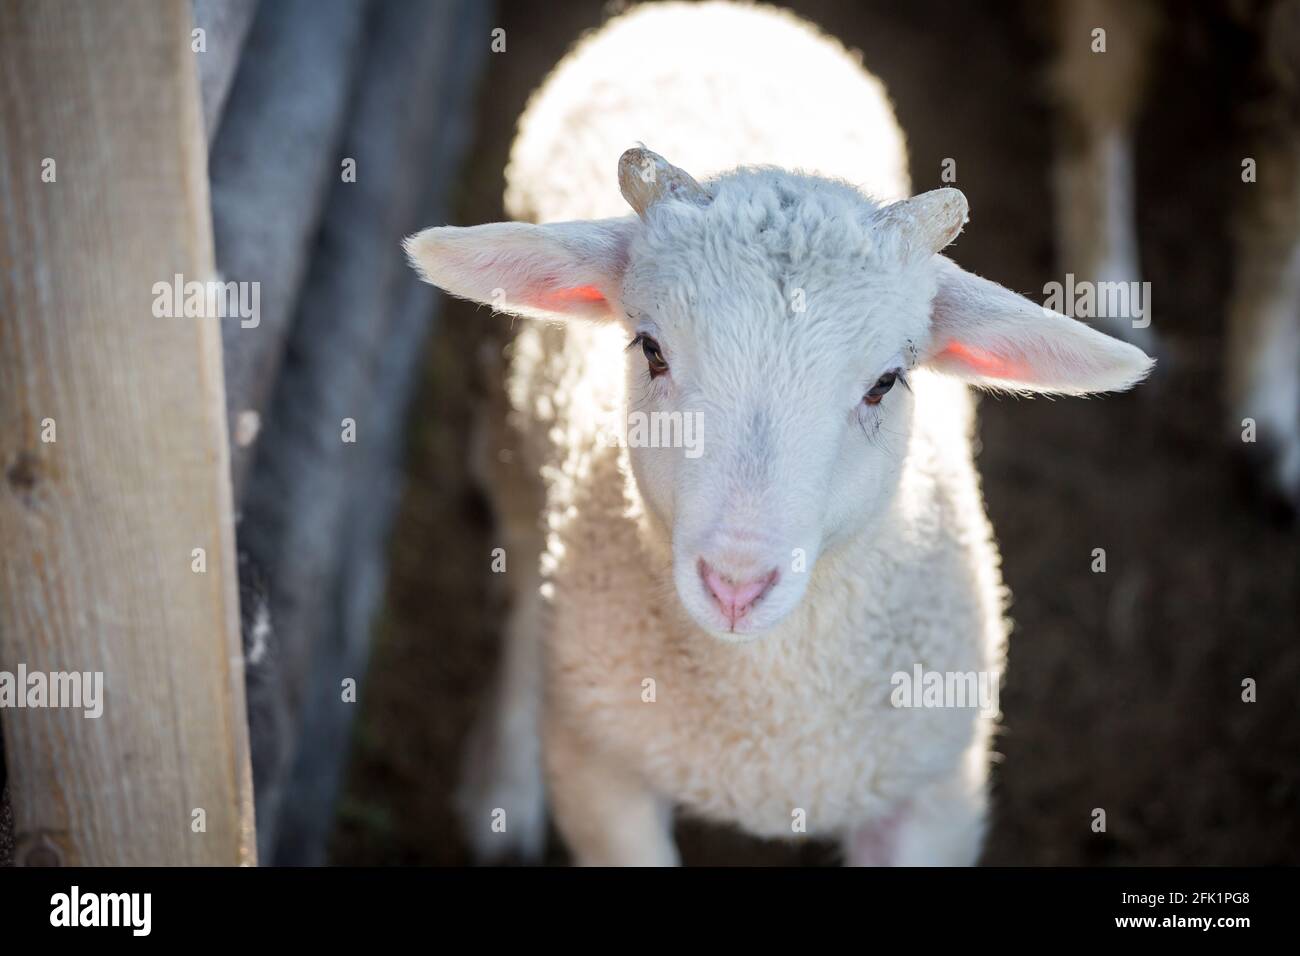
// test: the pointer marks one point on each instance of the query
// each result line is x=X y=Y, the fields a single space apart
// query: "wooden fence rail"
x=114 y=465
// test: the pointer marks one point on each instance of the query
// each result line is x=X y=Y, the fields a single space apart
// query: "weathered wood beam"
x=114 y=466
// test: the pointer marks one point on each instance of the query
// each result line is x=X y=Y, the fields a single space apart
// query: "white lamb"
x=717 y=627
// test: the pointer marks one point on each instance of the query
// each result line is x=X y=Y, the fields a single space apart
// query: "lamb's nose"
x=735 y=598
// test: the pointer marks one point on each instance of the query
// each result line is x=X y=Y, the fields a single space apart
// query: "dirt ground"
x=1123 y=690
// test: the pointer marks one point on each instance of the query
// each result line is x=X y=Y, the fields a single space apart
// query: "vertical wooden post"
x=114 y=465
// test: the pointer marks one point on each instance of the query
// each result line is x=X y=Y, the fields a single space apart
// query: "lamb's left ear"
x=557 y=270
x=997 y=339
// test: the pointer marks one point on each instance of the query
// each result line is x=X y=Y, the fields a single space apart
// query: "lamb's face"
x=772 y=334
x=774 y=319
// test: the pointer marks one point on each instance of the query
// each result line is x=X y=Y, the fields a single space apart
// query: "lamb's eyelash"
x=901 y=377
x=638 y=339
x=870 y=433
x=874 y=425
x=871 y=417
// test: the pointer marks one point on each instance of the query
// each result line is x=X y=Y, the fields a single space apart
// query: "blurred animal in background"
x=1102 y=80
x=739 y=612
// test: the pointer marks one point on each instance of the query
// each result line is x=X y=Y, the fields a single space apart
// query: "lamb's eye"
x=882 y=386
x=654 y=356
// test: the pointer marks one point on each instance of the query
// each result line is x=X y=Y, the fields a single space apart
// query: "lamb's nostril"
x=735 y=598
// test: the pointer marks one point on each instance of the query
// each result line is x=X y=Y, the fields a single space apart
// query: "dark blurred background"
x=1123 y=688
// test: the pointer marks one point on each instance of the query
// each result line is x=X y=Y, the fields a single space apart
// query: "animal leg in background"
x=1100 y=96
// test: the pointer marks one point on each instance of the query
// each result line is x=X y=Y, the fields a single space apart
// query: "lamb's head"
x=774 y=319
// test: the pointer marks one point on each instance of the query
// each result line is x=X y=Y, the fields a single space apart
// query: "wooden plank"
x=98 y=527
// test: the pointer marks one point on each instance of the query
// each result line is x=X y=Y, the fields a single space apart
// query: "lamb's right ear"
x=557 y=270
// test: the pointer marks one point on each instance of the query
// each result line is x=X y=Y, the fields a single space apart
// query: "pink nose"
x=735 y=598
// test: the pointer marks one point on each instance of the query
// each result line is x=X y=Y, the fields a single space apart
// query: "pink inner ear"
x=557 y=299
x=987 y=363
x=581 y=293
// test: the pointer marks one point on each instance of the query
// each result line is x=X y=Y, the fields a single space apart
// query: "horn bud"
x=928 y=222
x=646 y=178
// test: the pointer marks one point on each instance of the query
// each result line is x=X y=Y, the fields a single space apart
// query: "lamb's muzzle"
x=735 y=598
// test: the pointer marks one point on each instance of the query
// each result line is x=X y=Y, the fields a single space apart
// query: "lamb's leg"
x=1264 y=316
x=1100 y=95
x=502 y=798
x=605 y=812
x=942 y=825
x=502 y=795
